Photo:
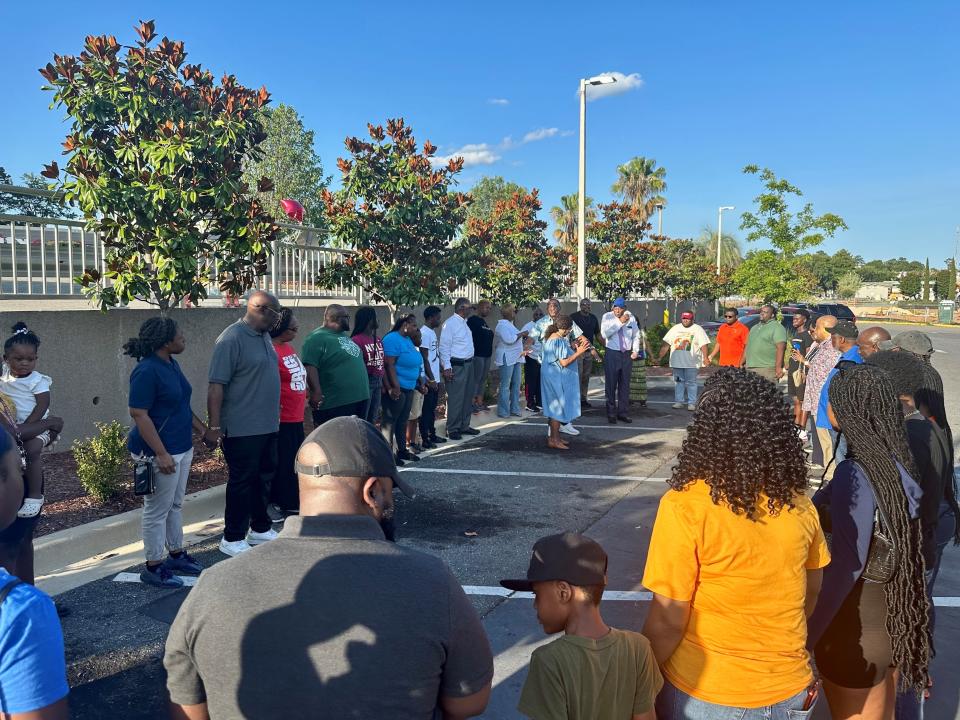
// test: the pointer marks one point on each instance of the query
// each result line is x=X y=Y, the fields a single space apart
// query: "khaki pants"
x=767 y=372
x=826 y=444
x=586 y=370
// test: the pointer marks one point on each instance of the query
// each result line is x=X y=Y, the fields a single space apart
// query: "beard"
x=389 y=527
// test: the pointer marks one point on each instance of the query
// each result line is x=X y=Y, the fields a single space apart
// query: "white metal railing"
x=41 y=257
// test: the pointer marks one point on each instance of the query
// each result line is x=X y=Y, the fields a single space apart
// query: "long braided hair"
x=154 y=334
x=870 y=416
x=743 y=444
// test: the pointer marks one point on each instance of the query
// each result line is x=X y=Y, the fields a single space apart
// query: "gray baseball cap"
x=912 y=341
x=354 y=448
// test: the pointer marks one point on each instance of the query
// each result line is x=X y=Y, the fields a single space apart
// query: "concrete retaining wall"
x=81 y=351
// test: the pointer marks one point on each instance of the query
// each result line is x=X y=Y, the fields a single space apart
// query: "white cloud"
x=624 y=83
x=540 y=134
x=498 y=101
x=473 y=154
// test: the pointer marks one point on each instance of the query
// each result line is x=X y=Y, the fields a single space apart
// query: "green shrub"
x=103 y=462
x=655 y=335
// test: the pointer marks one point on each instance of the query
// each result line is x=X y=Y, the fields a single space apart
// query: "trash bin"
x=946 y=311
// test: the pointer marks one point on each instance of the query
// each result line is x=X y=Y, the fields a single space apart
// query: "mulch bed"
x=68 y=504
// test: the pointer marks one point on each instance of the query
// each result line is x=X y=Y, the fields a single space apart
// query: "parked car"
x=838 y=310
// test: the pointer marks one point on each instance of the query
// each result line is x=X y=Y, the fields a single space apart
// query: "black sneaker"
x=161 y=577
x=611 y=419
x=428 y=446
x=624 y=418
x=183 y=563
x=409 y=456
x=275 y=513
x=416 y=447
x=456 y=436
x=438 y=439
x=470 y=431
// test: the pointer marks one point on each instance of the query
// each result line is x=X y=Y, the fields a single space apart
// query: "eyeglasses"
x=730 y=317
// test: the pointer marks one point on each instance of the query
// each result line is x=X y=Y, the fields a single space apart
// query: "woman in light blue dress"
x=559 y=381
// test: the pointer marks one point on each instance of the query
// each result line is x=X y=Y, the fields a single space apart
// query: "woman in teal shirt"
x=402 y=365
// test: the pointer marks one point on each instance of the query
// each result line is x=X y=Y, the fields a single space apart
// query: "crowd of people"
x=765 y=594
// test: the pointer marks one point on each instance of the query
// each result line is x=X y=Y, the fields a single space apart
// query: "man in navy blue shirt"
x=844 y=336
x=33 y=674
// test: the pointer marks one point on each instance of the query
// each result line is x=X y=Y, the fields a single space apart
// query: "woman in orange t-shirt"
x=735 y=561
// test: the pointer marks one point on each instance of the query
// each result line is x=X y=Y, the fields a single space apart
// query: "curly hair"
x=22 y=335
x=154 y=334
x=743 y=444
x=870 y=416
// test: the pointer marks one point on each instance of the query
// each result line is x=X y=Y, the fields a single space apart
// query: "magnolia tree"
x=518 y=266
x=398 y=215
x=621 y=260
x=155 y=162
x=690 y=275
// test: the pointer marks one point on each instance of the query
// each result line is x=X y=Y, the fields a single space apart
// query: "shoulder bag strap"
x=5 y=590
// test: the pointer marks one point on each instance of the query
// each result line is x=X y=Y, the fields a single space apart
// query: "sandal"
x=31 y=507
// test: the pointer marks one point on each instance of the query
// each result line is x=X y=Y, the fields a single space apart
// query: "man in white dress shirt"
x=622 y=334
x=456 y=366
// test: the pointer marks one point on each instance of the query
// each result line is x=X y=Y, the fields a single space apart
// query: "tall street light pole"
x=582 y=187
x=720 y=232
x=660 y=219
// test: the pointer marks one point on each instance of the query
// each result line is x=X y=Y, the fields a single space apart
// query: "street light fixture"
x=720 y=232
x=582 y=189
x=659 y=207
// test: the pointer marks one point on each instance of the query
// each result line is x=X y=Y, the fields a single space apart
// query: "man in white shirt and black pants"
x=430 y=349
x=456 y=366
x=622 y=334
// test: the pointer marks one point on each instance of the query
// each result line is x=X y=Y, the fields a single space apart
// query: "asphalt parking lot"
x=481 y=505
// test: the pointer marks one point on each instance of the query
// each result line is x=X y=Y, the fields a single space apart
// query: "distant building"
x=880 y=291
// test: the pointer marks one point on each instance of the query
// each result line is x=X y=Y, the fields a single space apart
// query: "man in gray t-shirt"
x=243 y=405
x=332 y=620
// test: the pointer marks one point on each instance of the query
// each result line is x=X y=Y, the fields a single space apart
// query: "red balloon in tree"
x=293 y=209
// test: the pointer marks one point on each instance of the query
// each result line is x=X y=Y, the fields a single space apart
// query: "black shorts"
x=854 y=652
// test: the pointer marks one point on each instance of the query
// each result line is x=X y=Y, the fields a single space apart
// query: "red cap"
x=685 y=315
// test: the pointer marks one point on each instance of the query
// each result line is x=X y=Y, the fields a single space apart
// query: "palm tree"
x=641 y=184
x=565 y=218
x=730 y=254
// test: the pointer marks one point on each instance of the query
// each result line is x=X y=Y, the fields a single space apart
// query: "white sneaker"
x=691 y=408
x=569 y=429
x=258 y=538
x=234 y=548
x=803 y=435
x=678 y=406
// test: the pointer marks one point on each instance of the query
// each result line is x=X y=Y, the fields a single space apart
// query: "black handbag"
x=145 y=471
x=882 y=558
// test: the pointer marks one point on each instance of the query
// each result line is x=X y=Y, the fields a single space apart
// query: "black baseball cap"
x=568 y=556
x=845 y=329
x=354 y=448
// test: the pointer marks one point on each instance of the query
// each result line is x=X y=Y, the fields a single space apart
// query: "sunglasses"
x=730 y=317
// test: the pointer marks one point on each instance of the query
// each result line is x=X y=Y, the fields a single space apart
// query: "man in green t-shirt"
x=766 y=346
x=336 y=374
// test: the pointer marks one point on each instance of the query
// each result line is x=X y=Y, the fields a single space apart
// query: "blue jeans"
x=674 y=704
x=908 y=706
x=509 y=401
x=685 y=379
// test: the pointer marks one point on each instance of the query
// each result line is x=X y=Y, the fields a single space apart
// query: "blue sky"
x=856 y=103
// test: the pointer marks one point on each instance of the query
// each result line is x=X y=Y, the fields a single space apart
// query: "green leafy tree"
x=620 y=261
x=565 y=221
x=820 y=266
x=689 y=275
x=771 y=277
x=641 y=184
x=401 y=218
x=155 y=155
x=288 y=158
x=30 y=205
x=910 y=284
x=730 y=253
x=519 y=266
x=946 y=282
x=787 y=232
x=489 y=191
x=848 y=284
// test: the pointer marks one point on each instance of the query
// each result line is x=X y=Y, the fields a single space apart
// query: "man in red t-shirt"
x=731 y=339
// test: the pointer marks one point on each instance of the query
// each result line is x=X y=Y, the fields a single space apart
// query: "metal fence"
x=42 y=257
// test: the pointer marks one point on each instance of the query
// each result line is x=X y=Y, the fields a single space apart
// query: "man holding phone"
x=800 y=342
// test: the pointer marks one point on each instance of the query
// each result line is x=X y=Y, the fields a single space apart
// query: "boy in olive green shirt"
x=592 y=672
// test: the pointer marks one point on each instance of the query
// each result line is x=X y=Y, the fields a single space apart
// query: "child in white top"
x=29 y=392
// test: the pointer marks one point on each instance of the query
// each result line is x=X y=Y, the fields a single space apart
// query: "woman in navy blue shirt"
x=160 y=408
x=403 y=365
x=866 y=633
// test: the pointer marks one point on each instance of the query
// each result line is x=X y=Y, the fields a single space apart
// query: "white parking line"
x=514 y=473
x=498 y=591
